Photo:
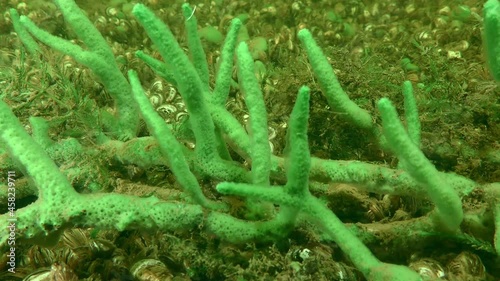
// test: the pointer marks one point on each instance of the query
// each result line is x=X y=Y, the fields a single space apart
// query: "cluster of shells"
x=392 y=205
x=236 y=105
x=306 y=261
x=167 y=101
x=79 y=256
x=466 y=266
x=116 y=25
x=431 y=30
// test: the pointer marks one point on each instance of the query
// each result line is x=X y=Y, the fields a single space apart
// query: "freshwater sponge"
x=232 y=185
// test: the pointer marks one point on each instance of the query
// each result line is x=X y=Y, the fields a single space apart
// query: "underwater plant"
x=210 y=143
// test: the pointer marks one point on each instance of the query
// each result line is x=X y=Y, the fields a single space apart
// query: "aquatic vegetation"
x=210 y=144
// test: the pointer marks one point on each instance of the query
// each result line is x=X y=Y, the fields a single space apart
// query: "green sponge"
x=491 y=14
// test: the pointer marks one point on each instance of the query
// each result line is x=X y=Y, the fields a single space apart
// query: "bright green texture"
x=411 y=114
x=162 y=69
x=297 y=179
x=359 y=254
x=261 y=154
x=195 y=48
x=330 y=85
x=59 y=206
x=58 y=201
x=223 y=81
x=298 y=158
x=295 y=196
x=190 y=79
x=33 y=158
x=40 y=132
x=100 y=59
x=491 y=14
x=169 y=146
x=448 y=203
x=23 y=34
